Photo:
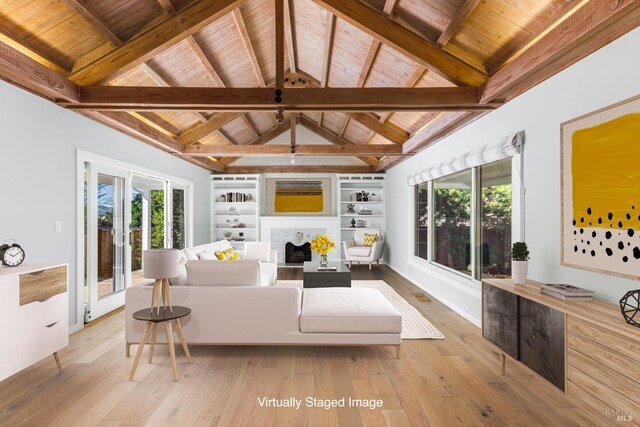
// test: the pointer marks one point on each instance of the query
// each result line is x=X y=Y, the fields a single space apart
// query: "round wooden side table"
x=164 y=315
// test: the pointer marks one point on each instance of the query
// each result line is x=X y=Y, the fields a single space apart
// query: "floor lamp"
x=160 y=264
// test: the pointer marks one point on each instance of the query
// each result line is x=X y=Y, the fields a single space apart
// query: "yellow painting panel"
x=298 y=203
x=605 y=171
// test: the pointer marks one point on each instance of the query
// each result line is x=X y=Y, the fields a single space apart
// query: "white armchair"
x=355 y=250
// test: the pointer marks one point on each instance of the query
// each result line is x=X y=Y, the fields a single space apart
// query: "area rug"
x=414 y=325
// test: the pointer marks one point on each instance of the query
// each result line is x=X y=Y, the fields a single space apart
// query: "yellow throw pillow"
x=369 y=239
x=227 y=255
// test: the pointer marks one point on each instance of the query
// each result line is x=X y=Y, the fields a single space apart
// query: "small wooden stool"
x=163 y=315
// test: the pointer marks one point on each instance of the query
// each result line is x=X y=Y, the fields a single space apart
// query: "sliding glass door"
x=107 y=249
x=125 y=214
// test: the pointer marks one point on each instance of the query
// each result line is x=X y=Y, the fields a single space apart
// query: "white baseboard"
x=459 y=310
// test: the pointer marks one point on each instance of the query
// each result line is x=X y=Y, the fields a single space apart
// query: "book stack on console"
x=566 y=292
x=328 y=268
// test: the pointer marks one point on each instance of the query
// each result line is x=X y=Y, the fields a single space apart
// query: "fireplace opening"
x=297 y=254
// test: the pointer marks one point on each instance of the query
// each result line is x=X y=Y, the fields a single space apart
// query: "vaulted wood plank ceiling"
x=500 y=47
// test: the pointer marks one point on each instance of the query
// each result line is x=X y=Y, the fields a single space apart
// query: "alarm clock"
x=11 y=254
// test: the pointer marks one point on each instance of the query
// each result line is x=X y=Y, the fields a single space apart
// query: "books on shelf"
x=566 y=292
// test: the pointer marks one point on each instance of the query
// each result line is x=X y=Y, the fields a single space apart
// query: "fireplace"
x=294 y=254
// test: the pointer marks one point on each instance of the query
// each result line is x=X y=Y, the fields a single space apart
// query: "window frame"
x=517 y=222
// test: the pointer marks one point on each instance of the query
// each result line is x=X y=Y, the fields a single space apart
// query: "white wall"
x=38 y=143
x=608 y=76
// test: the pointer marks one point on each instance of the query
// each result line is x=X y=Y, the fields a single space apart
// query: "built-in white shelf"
x=248 y=210
x=374 y=184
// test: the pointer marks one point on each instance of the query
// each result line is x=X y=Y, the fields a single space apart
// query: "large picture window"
x=468 y=226
x=452 y=221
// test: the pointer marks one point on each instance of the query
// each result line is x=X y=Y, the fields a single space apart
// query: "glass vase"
x=324 y=260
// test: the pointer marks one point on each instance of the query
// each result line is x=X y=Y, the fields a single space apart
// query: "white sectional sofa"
x=254 y=251
x=233 y=303
x=275 y=315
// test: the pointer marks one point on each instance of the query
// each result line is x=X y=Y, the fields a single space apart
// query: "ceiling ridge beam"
x=456 y=22
x=391 y=33
x=166 y=34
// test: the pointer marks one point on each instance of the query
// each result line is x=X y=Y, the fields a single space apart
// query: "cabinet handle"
x=36 y=273
x=44 y=300
x=52 y=325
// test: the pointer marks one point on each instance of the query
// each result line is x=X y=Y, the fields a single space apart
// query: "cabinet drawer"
x=607 y=339
x=41 y=341
x=39 y=314
x=42 y=285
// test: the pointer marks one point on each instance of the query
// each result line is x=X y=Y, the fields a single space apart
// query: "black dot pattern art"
x=614 y=235
x=630 y=307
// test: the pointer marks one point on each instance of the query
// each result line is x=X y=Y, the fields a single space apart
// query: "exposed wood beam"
x=293 y=100
x=289 y=37
x=301 y=150
x=206 y=63
x=250 y=126
x=146 y=46
x=280 y=30
x=151 y=123
x=590 y=27
x=362 y=78
x=198 y=132
x=297 y=169
x=411 y=82
x=94 y=21
x=389 y=131
x=129 y=125
x=167 y=6
x=211 y=71
x=248 y=47
x=379 y=26
x=457 y=21
x=19 y=44
x=329 y=32
x=389 y=6
x=20 y=69
x=262 y=139
x=333 y=138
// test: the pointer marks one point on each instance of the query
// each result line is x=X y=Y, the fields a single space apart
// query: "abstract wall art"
x=601 y=190
x=298 y=196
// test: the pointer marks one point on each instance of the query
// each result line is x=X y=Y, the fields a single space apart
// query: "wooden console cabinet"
x=585 y=349
x=34 y=315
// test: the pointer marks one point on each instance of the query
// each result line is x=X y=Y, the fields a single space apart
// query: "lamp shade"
x=160 y=263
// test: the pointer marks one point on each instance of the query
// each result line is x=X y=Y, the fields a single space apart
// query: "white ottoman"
x=348 y=310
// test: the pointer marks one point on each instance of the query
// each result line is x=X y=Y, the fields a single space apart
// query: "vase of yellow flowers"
x=322 y=245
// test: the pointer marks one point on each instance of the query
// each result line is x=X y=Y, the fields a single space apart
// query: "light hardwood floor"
x=455 y=381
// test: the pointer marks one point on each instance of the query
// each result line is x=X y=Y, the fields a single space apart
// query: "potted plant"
x=519 y=262
x=227 y=235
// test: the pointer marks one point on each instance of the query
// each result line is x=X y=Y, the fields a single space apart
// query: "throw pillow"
x=208 y=255
x=227 y=255
x=369 y=239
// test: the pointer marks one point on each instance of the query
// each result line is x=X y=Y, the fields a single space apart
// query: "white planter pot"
x=519 y=272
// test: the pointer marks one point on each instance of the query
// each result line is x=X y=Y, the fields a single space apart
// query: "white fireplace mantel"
x=330 y=223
